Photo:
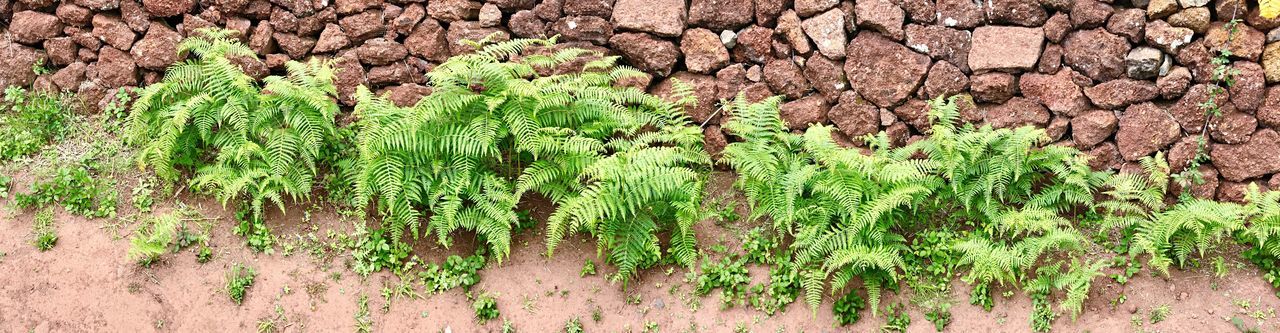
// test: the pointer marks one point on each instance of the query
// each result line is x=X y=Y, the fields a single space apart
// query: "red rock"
x=1257 y=157
x=459 y=31
x=1229 y=191
x=407 y=20
x=1104 y=156
x=134 y=15
x=110 y=29
x=1057 y=128
x=1197 y=58
x=167 y=8
x=348 y=74
x=915 y=113
x=826 y=75
x=1087 y=14
x=1145 y=129
x=1184 y=151
x=599 y=8
x=882 y=71
x=882 y=16
x=855 y=116
x=793 y=34
x=98 y=5
x=526 y=24
x=827 y=32
x=767 y=11
x=1093 y=127
x=32 y=27
x=785 y=78
x=1249 y=87
x=583 y=28
x=996 y=87
x=1130 y=23
x=704 y=88
x=1117 y=94
x=394 y=73
x=261 y=41
x=72 y=14
x=69 y=78
x=703 y=51
x=801 y=113
x=276 y=61
x=380 y=51
x=1057 y=27
x=1269 y=112
x=293 y=45
x=665 y=18
x=62 y=50
x=1017 y=112
x=19 y=60
x=250 y=66
x=754 y=45
x=1245 y=43
x=348 y=7
x=920 y=11
x=1166 y=37
x=714 y=141
x=363 y=26
x=158 y=49
x=959 y=14
x=331 y=39
x=1175 y=83
x=1050 y=60
x=940 y=43
x=1027 y=13
x=807 y=8
x=1189 y=112
x=490 y=15
x=116 y=69
x=721 y=14
x=453 y=10
x=646 y=53
x=945 y=80
x=1003 y=48
x=311 y=25
x=1096 y=53
x=552 y=10
x=428 y=41
x=1233 y=128
x=730 y=81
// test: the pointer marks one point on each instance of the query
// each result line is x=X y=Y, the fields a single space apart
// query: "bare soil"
x=85 y=284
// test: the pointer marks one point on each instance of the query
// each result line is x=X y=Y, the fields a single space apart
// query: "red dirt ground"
x=85 y=284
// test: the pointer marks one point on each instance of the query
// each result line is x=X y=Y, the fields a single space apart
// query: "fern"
x=243 y=142
x=495 y=129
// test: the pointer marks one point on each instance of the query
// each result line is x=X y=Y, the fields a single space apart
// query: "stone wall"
x=1119 y=80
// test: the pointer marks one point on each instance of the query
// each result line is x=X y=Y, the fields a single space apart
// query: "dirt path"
x=85 y=284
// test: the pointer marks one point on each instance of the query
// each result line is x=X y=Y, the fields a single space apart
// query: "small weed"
x=588 y=268
x=364 y=322
x=76 y=189
x=44 y=232
x=573 y=326
x=486 y=307
x=239 y=279
x=1160 y=313
x=847 y=307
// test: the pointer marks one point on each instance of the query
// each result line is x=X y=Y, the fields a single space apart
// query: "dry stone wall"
x=1118 y=79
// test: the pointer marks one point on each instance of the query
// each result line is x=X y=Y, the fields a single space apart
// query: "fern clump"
x=838 y=203
x=243 y=141
x=494 y=129
x=850 y=212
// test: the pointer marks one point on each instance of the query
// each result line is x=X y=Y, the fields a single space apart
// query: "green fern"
x=494 y=129
x=243 y=142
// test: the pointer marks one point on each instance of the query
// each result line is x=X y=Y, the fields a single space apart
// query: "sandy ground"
x=85 y=284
